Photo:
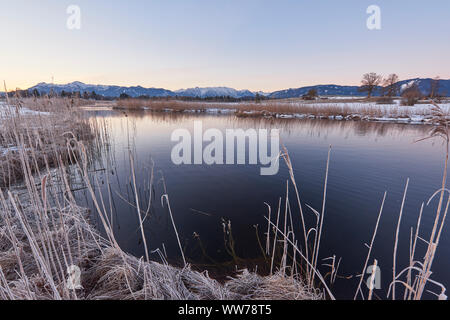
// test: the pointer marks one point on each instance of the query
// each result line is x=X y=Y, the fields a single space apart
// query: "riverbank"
x=38 y=135
x=359 y=110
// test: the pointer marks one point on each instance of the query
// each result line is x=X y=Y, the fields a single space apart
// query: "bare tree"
x=434 y=88
x=390 y=85
x=369 y=82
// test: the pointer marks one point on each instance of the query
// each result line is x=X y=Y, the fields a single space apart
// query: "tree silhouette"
x=369 y=82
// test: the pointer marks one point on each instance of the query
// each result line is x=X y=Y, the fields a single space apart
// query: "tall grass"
x=41 y=136
x=344 y=108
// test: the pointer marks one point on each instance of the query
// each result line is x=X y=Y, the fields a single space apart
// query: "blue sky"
x=258 y=45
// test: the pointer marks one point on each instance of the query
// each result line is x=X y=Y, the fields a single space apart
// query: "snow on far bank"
x=370 y=107
x=6 y=110
x=368 y=111
x=4 y=151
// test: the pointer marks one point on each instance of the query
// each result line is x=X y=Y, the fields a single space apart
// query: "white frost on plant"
x=6 y=110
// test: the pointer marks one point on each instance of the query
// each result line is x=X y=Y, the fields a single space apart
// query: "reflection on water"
x=367 y=159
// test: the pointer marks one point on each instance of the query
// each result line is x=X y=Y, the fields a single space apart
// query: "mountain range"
x=336 y=90
x=424 y=85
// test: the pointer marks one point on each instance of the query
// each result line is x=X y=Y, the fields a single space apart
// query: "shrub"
x=411 y=95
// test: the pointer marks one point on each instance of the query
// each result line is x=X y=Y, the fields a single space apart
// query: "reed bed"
x=41 y=132
x=241 y=108
x=346 y=109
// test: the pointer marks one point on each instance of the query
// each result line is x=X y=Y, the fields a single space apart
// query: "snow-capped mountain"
x=116 y=91
x=330 y=90
x=107 y=91
x=322 y=90
x=425 y=85
x=214 y=92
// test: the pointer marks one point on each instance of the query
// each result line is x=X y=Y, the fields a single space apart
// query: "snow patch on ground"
x=418 y=114
x=5 y=150
x=6 y=110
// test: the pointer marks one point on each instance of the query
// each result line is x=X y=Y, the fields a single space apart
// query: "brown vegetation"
x=40 y=135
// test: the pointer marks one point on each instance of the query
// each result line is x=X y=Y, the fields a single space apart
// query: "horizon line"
x=206 y=87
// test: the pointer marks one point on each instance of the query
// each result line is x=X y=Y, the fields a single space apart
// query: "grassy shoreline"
x=355 y=110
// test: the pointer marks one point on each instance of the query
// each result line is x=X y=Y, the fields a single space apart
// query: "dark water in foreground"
x=366 y=160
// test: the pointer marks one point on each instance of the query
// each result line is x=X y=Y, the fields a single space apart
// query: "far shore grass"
x=332 y=108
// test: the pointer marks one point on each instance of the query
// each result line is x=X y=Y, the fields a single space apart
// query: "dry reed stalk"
x=319 y=276
x=413 y=251
x=394 y=259
x=275 y=237
x=268 y=230
x=166 y=196
x=370 y=247
x=285 y=232
x=288 y=162
x=319 y=232
x=141 y=225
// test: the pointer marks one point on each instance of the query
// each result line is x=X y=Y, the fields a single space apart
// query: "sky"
x=245 y=44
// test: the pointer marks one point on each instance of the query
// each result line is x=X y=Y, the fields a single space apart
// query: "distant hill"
x=107 y=91
x=116 y=91
x=424 y=85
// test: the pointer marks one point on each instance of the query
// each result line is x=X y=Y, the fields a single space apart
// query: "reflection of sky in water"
x=367 y=159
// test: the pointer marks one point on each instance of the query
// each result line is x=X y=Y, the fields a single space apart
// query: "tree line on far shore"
x=371 y=83
x=390 y=88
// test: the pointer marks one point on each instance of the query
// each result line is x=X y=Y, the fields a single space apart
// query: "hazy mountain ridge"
x=104 y=90
x=424 y=85
x=214 y=92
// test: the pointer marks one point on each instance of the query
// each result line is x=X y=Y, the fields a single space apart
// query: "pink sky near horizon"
x=257 y=45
